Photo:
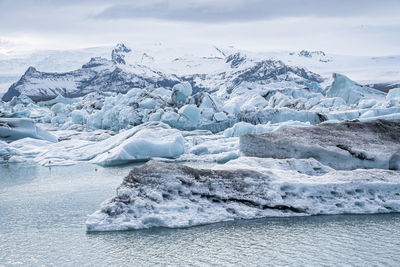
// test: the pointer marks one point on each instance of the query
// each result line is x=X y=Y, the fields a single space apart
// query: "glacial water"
x=42 y=222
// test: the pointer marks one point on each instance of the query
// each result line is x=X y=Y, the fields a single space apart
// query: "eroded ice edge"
x=170 y=195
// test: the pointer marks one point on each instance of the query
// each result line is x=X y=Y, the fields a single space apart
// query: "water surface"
x=43 y=212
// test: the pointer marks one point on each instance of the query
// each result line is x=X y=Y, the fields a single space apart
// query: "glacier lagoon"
x=273 y=140
x=43 y=212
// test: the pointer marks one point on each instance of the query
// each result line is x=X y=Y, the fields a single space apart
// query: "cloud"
x=330 y=25
x=247 y=10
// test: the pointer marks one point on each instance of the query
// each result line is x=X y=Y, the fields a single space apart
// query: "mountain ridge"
x=118 y=74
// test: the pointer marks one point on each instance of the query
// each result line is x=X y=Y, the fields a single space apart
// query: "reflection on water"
x=43 y=211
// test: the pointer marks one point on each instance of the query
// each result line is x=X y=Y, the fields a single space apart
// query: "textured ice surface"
x=152 y=141
x=170 y=195
x=242 y=128
x=393 y=94
x=191 y=113
x=180 y=92
x=237 y=95
x=350 y=91
x=346 y=145
x=14 y=129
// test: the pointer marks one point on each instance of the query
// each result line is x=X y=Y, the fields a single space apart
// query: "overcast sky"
x=357 y=27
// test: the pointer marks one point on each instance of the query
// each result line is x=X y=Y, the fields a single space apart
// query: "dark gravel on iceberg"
x=343 y=146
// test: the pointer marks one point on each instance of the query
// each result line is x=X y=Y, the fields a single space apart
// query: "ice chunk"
x=303 y=166
x=14 y=129
x=220 y=116
x=227 y=156
x=150 y=103
x=155 y=141
x=393 y=94
x=58 y=108
x=6 y=152
x=210 y=101
x=163 y=93
x=278 y=115
x=172 y=195
x=191 y=113
x=29 y=147
x=231 y=107
x=171 y=118
x=350 y=91
x=78 y=116
x=180 y=93
x=242 y=128
x=254 y=103
x=156 y=116
x=347 y=145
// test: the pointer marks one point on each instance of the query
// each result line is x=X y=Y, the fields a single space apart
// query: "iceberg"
x=393 y=94
x=242 y=128
x=191 y=113
x=180 y=93
x=6 y=152
x=171 y=195
x=141 y=143
x=350 y=91
x=15 y=128
x=344 y=146
x=156 y=140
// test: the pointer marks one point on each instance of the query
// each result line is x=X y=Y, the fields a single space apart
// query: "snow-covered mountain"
x=206 y=67
x=13 y=65
x=125 y=71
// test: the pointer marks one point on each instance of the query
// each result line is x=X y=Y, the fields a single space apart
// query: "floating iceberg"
x=346 y=145
x=350 y=91
x=180 y=92
x=14 y=129
x=242 y=128
x=171 y=195
x=393 y=94
x=155 y=140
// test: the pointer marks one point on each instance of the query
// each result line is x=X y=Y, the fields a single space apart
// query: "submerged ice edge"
x=170 y=195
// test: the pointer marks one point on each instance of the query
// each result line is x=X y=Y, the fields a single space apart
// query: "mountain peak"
x=30 y=70
x=235 y=59
x=118 y=53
